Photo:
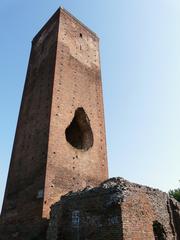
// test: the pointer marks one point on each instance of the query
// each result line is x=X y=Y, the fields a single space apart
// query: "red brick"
x=63 y=75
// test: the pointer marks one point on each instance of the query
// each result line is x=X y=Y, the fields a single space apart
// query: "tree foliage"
x=175 y=193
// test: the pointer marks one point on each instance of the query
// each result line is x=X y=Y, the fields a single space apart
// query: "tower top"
x=56 y=14
x=76 y=19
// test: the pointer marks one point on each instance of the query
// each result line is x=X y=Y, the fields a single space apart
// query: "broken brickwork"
x=60 y=142
x=60 y=146
x=116 y=210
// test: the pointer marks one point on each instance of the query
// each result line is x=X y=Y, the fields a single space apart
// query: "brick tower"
x=60 y=141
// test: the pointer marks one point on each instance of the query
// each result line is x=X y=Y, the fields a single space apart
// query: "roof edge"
x=47 y=23
x=77 y=20
x=58 y=11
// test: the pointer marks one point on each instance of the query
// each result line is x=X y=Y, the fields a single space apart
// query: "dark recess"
x=79 y=133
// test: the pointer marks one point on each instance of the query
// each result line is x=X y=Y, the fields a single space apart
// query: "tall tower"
x=60 y=141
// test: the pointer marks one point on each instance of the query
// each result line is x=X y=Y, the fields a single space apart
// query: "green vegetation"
x=175 y=193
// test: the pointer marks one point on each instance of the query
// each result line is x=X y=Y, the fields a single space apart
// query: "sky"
x=140 y=61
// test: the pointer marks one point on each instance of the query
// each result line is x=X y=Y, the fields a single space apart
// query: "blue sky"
x=140 y=56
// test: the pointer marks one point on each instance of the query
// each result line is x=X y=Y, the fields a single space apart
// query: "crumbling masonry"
x=116 y=210
x=60 y=146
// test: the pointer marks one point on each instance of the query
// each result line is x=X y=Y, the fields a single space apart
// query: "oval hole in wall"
x=79 y=133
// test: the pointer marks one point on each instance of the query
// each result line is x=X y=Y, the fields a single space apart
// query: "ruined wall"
x=90 y=214
x=117 y=209
x=141 y=207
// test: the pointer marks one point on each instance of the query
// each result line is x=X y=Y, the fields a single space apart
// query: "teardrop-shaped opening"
x=79 y=133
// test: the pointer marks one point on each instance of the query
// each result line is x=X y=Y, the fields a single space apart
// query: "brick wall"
x=63 y=90
x=77 y=84
x=117 y=209
x=23 y=199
